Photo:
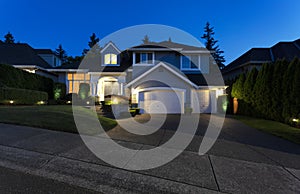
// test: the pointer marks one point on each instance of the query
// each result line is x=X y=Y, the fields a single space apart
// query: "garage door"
x=201 y=101
x=161 y=102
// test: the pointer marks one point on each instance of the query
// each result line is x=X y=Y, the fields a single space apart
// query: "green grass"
x=59 y=118
x=276 y=128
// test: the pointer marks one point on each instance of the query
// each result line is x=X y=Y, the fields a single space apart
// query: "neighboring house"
x=23 y=56
x=256 y=57
x=49 y=56
x=156 y=73
x=158 y=77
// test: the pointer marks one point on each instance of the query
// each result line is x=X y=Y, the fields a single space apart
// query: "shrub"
x=59 y=91
x=84 y=90
x=22 y=96
x=16 y=78
x=222 y=104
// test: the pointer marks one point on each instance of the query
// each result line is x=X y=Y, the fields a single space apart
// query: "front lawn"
x=272 y=127
x=59 y=118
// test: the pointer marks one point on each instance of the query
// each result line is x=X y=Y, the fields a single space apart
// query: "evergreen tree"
x=210 y=44
x=276 y=107
x=257 y=100
x=249 y=85
x=287 y=88
x=61 y=53
x=93 y=43
x=295 y=93
x=9 y=38
x=146 y=39
x=267 y=86
x=238 y=87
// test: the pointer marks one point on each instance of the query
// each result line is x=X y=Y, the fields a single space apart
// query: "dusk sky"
x=239 y=25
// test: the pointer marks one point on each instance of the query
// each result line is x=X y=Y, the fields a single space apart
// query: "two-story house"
x=159 y=77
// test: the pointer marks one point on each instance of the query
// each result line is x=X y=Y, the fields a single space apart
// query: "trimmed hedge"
x=271 y=93
x=21 y=96
x=17 y=78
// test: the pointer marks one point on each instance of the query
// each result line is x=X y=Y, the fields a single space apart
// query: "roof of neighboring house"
x=21 y=54
x=169 y=45
x=281 y=50
x=44 y=51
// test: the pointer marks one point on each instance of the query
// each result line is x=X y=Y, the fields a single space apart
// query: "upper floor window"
x=144 y=58
x=110 y=59
x=190 y=62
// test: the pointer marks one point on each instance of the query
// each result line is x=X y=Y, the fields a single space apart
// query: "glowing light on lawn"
x=11 y=101
x=296 y=120
x=40 y=102
x=68 y=102
x=88 y=102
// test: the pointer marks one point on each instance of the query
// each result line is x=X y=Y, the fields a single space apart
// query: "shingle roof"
x=168 y=44
x=287 y=50
x=44 y=51
x=20 y=54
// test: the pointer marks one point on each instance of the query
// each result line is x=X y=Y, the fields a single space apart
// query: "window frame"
x=189 y=56
x=143 y=64
x=110 y=60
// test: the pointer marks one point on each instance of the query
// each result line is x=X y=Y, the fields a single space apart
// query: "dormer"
x=49 y=56
x=110 y=55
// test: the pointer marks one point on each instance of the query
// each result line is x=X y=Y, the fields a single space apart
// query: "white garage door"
x=161 y=101
x=201 y=101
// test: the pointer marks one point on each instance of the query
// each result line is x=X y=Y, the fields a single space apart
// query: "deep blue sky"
x=239 y=25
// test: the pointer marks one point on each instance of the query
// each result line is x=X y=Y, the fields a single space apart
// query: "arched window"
x=110 y=59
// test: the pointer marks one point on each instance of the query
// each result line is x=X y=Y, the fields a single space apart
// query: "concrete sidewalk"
x=238 y=163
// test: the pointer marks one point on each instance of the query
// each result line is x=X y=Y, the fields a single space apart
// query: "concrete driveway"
x=243 y=160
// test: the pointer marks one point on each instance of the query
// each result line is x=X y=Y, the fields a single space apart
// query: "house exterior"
x=164 y=77
x=23 y=56
x=256 y=57
x=157 y=77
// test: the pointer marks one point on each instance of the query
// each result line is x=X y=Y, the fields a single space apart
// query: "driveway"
x=243 y=160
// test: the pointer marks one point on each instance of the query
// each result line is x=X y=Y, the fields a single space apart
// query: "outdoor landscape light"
x=11 y=102
x=296 y=120
x=68 y=102
x=88 y=102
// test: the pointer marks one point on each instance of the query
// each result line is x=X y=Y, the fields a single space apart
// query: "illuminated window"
x=110 y=59
x=75 y=79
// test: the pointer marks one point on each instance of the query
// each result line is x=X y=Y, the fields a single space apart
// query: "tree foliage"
x=271 y=93
x=93 y=44
x=211 y=45
x=9 y=38
x=146 y=39
x=61 y=53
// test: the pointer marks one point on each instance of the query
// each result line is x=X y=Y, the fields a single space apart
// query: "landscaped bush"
x=84 y=91
x=222 y=104
x=59 y=91
x=16 y=78
x=22 y=96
